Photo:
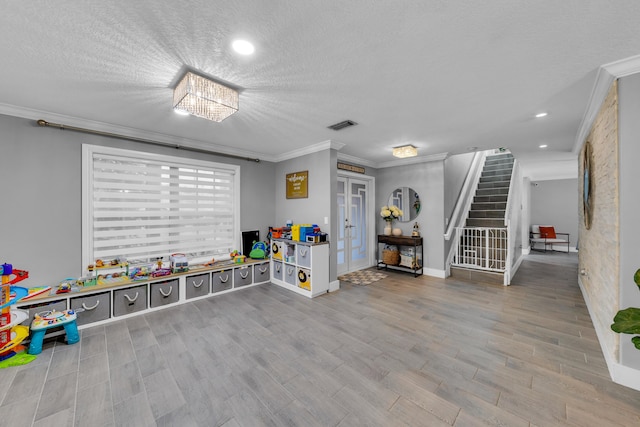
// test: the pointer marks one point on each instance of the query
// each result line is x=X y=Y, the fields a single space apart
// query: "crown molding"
x=624 y=67
x=413 y=160
x=357 y=160
x=33 y=114
x=321 y=146
x=604 y=80
x=550 y=170
x=607 y=74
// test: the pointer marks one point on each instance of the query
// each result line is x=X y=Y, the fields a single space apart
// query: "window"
x=142 y=206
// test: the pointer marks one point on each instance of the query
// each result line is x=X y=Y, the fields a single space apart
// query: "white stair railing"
x=463 y=204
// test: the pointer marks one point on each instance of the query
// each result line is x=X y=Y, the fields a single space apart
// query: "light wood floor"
x=402 y=351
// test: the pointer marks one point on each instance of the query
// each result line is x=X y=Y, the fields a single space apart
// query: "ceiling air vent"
x=342 y=125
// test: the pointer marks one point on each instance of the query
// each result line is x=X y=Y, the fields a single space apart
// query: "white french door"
x=354 y=224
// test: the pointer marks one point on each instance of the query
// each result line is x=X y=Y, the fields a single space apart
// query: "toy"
x=210 y=263
x=258 y=250
x=35 y=291
x=159 y=272
x=234 y=253
x=11 y=332
x=179 y=263
x=65 y=286
x=52 y=319
x=139 y=273
x=87 y=281
x=239 y=259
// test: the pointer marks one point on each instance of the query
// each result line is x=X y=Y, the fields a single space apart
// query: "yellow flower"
x=391 y=212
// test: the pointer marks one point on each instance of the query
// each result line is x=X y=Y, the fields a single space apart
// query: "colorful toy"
x=65 y=286
x=159 y=272
x=179 y=263
x=139 y=273
x=36 y=291
x=11 y=332
x=239 y=259
x=258 y=250
x=52 y=319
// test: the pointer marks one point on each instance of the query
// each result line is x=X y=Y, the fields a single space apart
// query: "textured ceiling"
x=442 y=75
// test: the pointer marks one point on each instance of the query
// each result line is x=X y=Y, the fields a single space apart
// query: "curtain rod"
x=45 y=123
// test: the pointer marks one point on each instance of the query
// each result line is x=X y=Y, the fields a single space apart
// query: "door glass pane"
x=341 y=221
x=358 y=221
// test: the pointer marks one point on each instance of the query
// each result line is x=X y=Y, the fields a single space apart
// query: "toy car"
x=161 y=272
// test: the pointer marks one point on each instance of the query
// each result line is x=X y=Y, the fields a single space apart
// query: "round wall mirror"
x=408 y=201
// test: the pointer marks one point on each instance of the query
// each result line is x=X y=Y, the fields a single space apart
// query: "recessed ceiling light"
x=243 y=47
x=539 y=115
x=543 y=146
x=181 y=112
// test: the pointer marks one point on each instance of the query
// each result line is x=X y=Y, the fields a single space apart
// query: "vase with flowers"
x=389 y=214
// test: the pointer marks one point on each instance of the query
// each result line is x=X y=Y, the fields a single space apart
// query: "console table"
x=415 y=242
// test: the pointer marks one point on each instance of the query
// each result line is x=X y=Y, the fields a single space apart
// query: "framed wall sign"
x=297 y=185
x=350 y=168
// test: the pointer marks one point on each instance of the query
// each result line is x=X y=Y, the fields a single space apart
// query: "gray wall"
x=555 y=202
x=41 y=210
x=629 y=178
x=320 y=204
x=427 y=179
x=455 y=171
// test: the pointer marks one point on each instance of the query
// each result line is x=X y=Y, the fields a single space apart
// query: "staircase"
x=483 y=242
x=490 y=202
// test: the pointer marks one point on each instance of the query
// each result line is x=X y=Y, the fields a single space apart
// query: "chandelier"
x=405 y=151
x=204 y=98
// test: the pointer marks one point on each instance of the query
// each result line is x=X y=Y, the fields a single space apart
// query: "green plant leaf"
x=636 y=341
x=627 y=321
x=636 y=277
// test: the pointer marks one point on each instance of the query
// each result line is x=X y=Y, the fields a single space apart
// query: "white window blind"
x=142 y=206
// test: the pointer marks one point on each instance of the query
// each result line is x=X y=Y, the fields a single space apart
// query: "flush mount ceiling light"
x=540 y=115
x=543 y=145
x=405 y=151
x=204 y=98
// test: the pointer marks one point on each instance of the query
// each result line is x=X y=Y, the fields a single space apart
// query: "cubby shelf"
x=301 y=267
x=108 y=302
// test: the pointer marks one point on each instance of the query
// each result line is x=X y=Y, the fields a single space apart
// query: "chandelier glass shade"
x=405 y=151
x=205 y=98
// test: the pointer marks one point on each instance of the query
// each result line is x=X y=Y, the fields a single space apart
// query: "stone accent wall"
x=599 y=253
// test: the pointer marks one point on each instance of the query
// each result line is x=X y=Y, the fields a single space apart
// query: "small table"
x=52 y=319
x=414 y=242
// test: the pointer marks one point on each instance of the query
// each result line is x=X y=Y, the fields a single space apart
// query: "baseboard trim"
x=334 y=286
x=620 y=374
x=434 y=273
x=515 y=268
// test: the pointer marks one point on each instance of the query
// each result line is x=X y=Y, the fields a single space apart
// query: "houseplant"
x=389 y=214
x=627 y=321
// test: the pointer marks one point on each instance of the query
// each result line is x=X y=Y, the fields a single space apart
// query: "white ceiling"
x=442 y=75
